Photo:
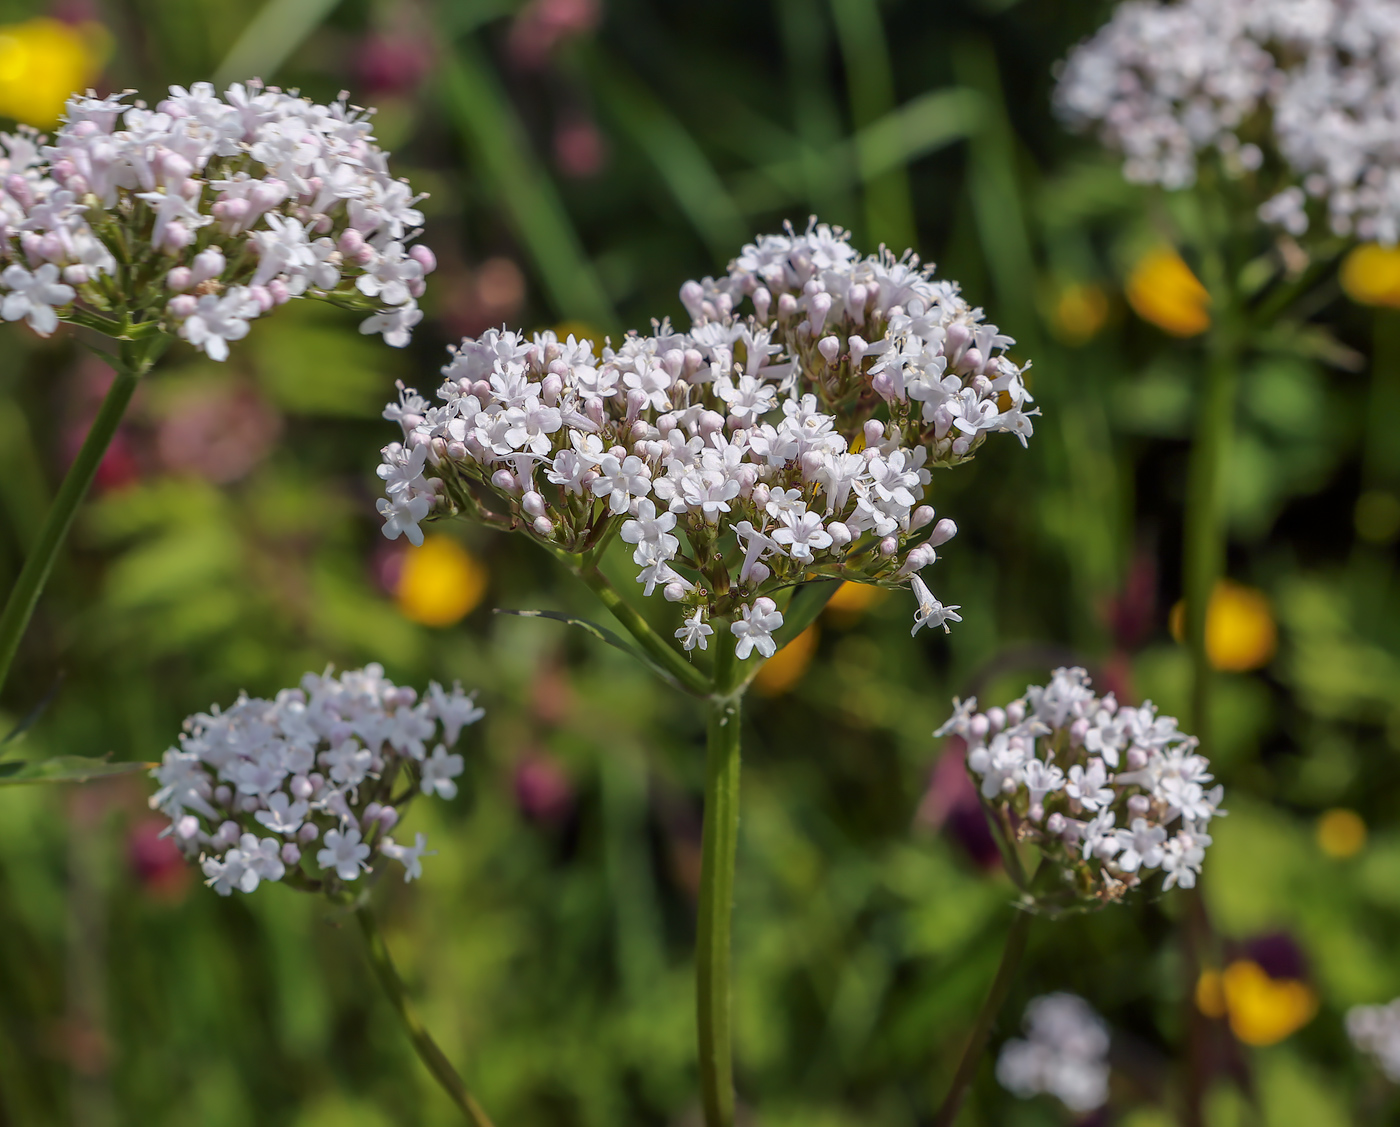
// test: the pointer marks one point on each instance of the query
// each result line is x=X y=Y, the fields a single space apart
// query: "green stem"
x=428 y=1052
x=1204 y=550
x=670 y=659
x=134 y=361
x=982 y=1029
x=718 y=850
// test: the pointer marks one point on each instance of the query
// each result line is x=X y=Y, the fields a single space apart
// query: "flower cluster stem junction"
x=133 y=361
x=428 y=1051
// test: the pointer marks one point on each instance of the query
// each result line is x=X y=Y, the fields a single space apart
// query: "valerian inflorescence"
x=739 y=457
x=198 y=216
x=307 y=787
x=1109 y=793
x=1300 y=95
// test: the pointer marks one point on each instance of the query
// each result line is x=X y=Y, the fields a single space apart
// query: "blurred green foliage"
x=232 y=544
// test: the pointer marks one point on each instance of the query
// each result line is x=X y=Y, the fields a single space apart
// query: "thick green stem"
x=666 y=654
x=428 y=1052
x=135 y=360
x=982 y=1030
x=1204 y=554
x=718 y=851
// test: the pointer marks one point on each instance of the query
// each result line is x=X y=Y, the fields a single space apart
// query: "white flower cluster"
x=1376 y=1030
x=205 y=213
x=251 y=789
x=738 y=457
x=1096 y=785
x=1065 y=1054
x=1315 y=81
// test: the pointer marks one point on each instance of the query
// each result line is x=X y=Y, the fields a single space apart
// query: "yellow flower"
x=1370 y=275
x=1240 y=630
x=1262 y=1010
x=42 y=62
x=785 y=668
x=580 y=331
x=1079 y=312
x=1341 y=834
x=1162 y=289
x=440 y=583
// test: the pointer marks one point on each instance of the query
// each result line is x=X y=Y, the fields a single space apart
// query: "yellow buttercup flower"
x=42 y=62
x=441 y=582
x=785 y=668
x=1341 y=834
x=1370 y=275
x=1079 y=312
x=1161 y=289
x=1264 y=1010
x=1240 y=631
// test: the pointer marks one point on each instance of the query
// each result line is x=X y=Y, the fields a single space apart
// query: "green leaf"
x=603 y=634
x=32 y=716
x=64 y=769
x=271 y=37
x=808 y=601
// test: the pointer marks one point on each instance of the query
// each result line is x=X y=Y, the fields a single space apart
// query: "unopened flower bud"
x=762 y=302
x=1077 y=731
x=222 y=794
x=308 y=833
x=543 y=526
x=787 y=307
x=839 y=533
x=830 y=348
x=1015 y=711
x=857 y=348
x=1136 y=759
x=1055 y=824
x=207 y=264
x=979 y=726
x=533 y=504
x=550 y=387
x=301 y=787
x=920 y=517
x=997 y=718
x=942 y=532
x=389 y=818
x=187 y=826
x=504 y=480
x=673 y=592
x=874 y=432
x=179 y=279
x=889 y=546
x=291 y=855
x=1139 y=805
x=424 y=257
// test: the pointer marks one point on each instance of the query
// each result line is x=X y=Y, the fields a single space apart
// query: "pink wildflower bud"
x=1077 y=731
x=1056 y=824
x=308 y=833
x=300 y=787
x=424 y=257
x=1015 y=711
x=77 y=275
x=883 y=386
x=997 y=718
x=543 y=526
x=855 y=303
x=673 y=592
x=231 y=214
x=971 y=361
x=550 y=387
x=262 y=296
x=207 y=264
x=979 y=726
x=291 y=855
x=920 y=517
x=942 y=532
x=351 y=242
x=182 y=306
x=503 y=480
x=787 y=307
x=874 y=432
x=694 y=361
x=456 y=451
x=857 y=348
x=830 y=348
x=762 y=302
x=533 y=504
x=711 y=422
x=222 y=794
x=693 y=298
x=371 y=813
x=179 y=279
x=1136 y=759
x=889 y=546
x=840 y=534
x=1139 y=805
x=957 y=337
x=187 y=827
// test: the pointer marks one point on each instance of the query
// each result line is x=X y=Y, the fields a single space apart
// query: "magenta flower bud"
x=424 y=257
x=182 y=306
x=179 y=279
x=291 y=855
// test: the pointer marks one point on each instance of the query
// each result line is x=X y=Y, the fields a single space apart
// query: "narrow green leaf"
x=678 y=158
x=271 y=37
x=495 y=137
x=808 y=601
x=32 y=716
x=64 y=769
x=602 y=633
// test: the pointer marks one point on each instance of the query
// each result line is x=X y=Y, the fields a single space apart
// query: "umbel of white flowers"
x=1065 y=1054
x=1299 y=94
x=738 y=457
x=1108 y=792
x=1375 y=1030
x=320 y=774
x=205 y=213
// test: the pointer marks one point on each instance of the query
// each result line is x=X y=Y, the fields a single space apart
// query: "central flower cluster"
x=334 y=761
x=740 y=457
x=205 y=213
x=1314 y=82
x=1094 y=784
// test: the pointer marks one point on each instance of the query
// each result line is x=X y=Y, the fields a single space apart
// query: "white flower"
x=454 y=710
x=1141 y=846
x=283 y=816
x=402 y=515
x=1182 y=857
x=1089 y=787
x=344 y=852
x=930 y=611
x=1376 y=1030
x=695 y=632
x=411 y=856
x=1065 y=1054
x=755 y=629
x=219 y=319
x=802 y=533
x=34 y=296
x=439 y=771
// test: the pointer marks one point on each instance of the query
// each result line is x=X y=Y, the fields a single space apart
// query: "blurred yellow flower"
x=1370 y=275
x=581 y=331
x=1240 y=630
x=441 y=582
x=1079 y=312
x=785 y=668
x=1161 y=289
x=853 y=599
x=1341 y=834
x=1262 y=1010
x=42 y=62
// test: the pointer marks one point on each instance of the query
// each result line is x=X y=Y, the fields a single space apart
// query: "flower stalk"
x=428 y=1050
x=716 y=908
x=134 y=360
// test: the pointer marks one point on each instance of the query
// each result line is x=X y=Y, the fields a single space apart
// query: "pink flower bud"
x=207 y=264
x=673 y=592
x=787 y=307
x=920 y=517
x=996 y=717
x=351 y=242
x=942 y=532
x=762 y=302
x=179 y=279
x=424 y=257
x=503 y=480
x=533 y=504
x=308 y=833
x=543 y=526
x=830 y=348
x=291 y=855
x=857 y=348
x=182 y=306
x=874 y=432
x=279 y=291
x=889 y=546
x=262 y=296
x=840 y=534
